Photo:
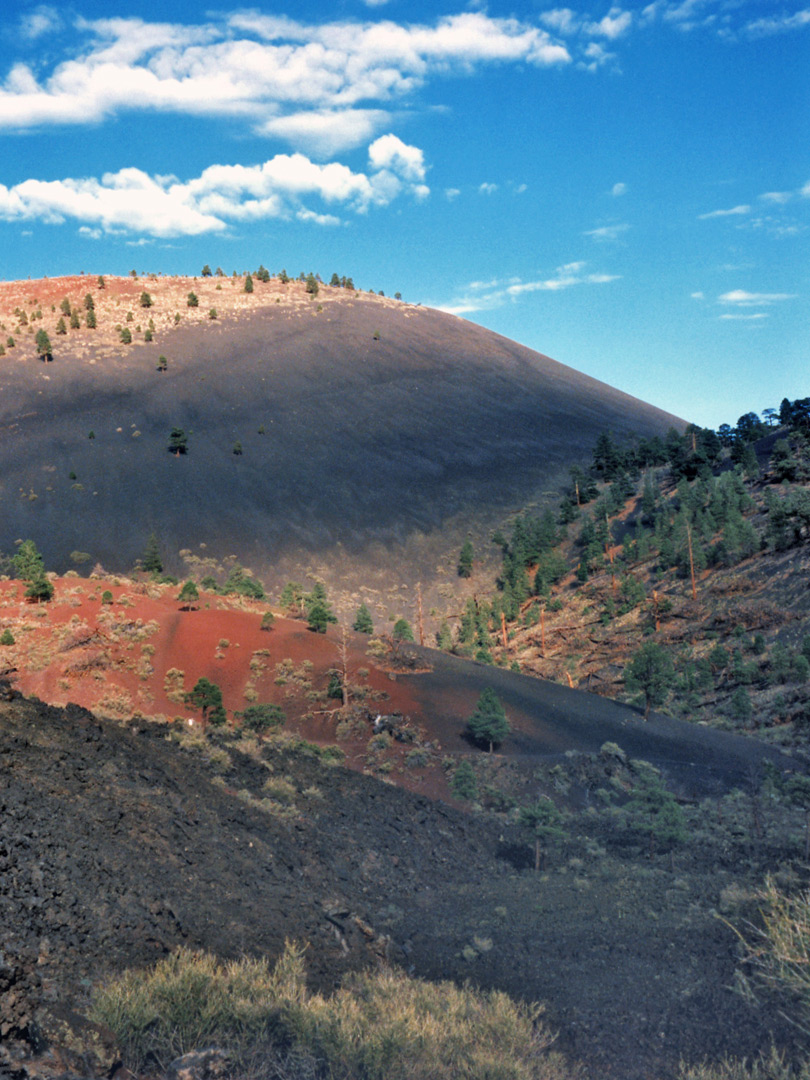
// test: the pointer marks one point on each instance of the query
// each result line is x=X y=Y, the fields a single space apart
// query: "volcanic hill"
x=342 y=434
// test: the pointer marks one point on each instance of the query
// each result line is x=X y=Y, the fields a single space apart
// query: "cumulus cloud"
x=487 y=189
x=321 y=87
x=562 y=20
x=596 y=56
x=618 y=189
x=163 y=206
x=325 y=131
x=614 y=25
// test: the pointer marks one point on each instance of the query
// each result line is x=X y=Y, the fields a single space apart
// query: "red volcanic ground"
x=139 y=653
x=134 y=652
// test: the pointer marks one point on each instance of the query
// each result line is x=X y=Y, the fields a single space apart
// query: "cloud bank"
x=286 y=186
x=320 y=87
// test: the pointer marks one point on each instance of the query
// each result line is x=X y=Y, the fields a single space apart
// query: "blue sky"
x=626 y=189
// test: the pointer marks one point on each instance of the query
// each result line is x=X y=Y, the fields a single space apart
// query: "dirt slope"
x=116 y=845
x=374 y=433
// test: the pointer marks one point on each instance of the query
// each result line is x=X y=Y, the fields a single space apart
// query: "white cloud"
x=283 y=187
x=683 y=14
x=487 y=189
x=697 y=295
x=324 y=87
x=595 y=56
x=326 y=131
x=614 y=25
x=484 y=296
x=607 y=233
x=562 y=20
x=451 y=193
x=778 y=24
x=733 y=212
x=779 y=197
x=618 y=189
x=746 y=318
x=741 y=298
x=389 y=152
x=42 y=20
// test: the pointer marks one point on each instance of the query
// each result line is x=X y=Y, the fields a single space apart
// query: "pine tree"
x=178 y=441
x=248 y=284
x=43 y=343
x=465 y=560
x=40 y=589
x=319 y=615
x=261 y=718
x=27 y=563
x=207 y=697
x=402 y=631
x=488 y=723
x=151 y=561
x=363 y=623
x=546 y=822
x=188 y=594
x=650 y=671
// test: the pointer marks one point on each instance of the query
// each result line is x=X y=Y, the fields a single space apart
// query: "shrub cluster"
x=378 y=1026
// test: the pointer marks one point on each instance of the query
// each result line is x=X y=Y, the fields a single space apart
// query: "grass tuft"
x=378 y=1026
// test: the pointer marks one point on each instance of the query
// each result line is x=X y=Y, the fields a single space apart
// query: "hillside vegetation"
x=688 y=554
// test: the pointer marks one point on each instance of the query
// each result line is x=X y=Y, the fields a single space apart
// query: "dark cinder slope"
x=365 y=428
x=635 y=966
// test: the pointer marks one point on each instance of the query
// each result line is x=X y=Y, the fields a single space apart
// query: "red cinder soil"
x=139 y=653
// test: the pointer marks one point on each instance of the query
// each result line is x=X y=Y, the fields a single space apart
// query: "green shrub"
x=464 y=784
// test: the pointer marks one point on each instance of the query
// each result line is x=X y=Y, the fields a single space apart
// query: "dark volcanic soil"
x=368 y=428
x=118 y=844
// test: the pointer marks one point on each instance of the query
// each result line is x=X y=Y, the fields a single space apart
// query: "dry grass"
x=381 y=1026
